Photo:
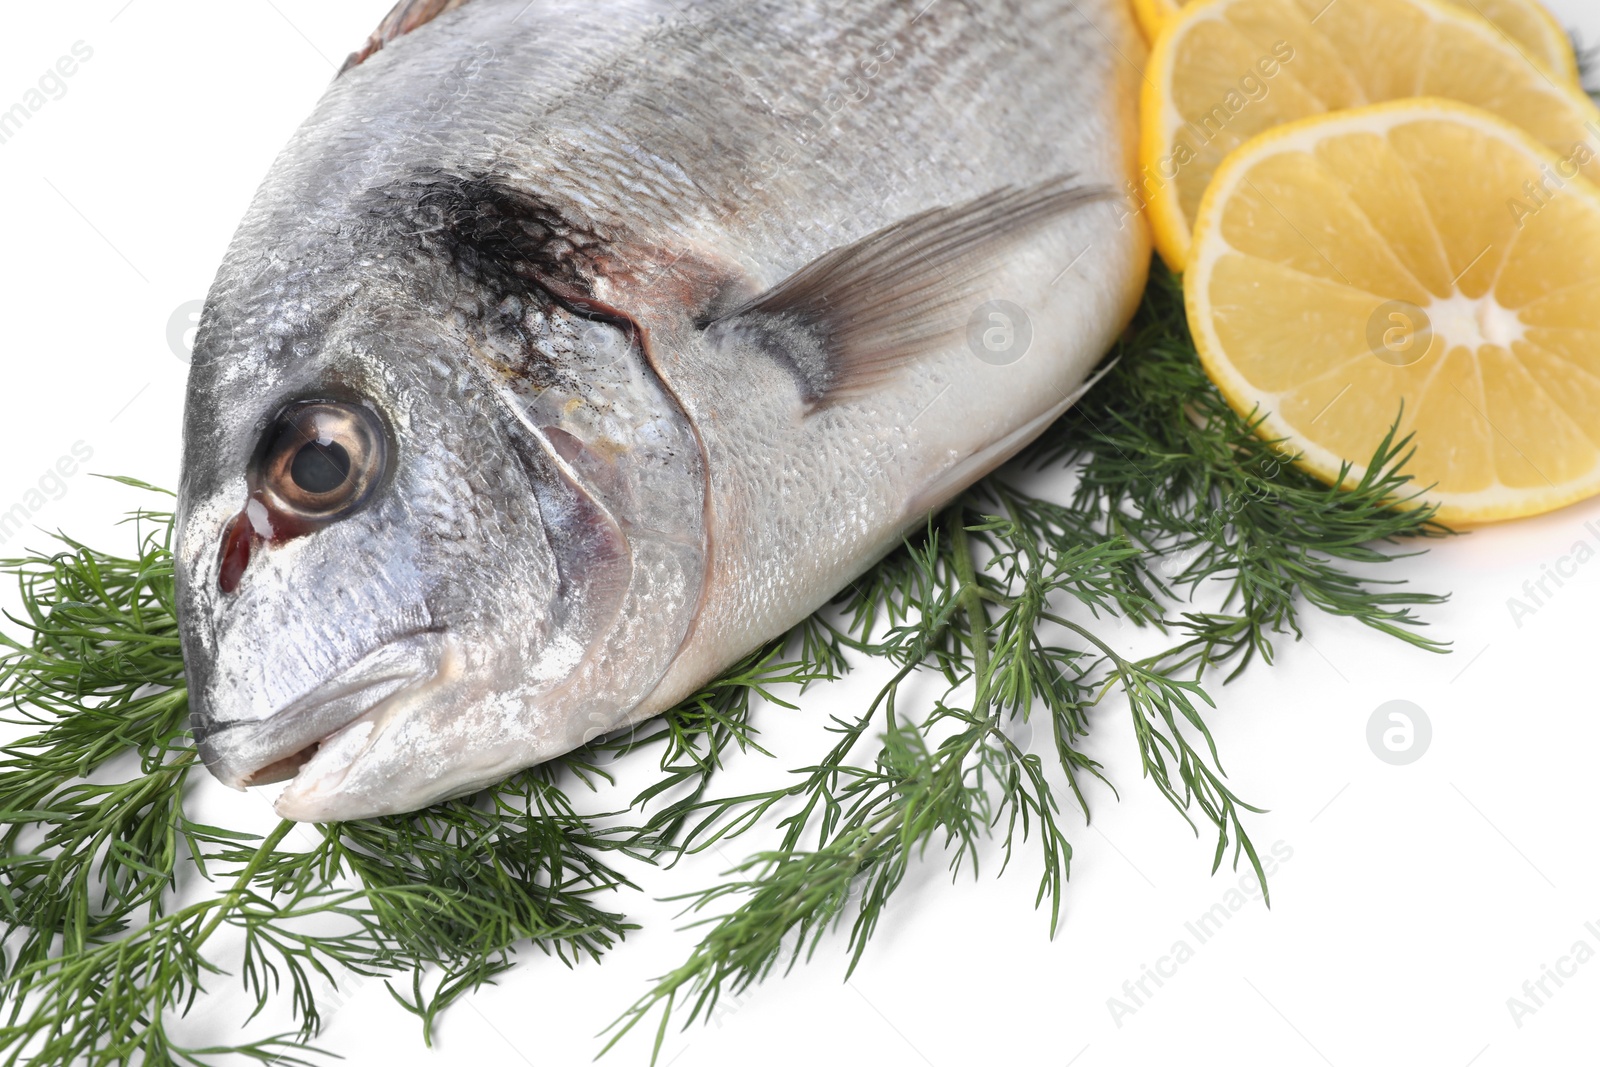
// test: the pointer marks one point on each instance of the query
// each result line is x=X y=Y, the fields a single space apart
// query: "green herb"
x=1007 y=596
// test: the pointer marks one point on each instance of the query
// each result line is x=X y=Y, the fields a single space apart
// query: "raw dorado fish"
x=573 y=349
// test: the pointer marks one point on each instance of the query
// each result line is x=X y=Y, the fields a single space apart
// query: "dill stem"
x=972 y=605
x=1089 y=636
x=894 y=817
x=246 y=876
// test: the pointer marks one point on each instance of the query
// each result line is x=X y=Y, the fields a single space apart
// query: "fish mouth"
x=286 y=743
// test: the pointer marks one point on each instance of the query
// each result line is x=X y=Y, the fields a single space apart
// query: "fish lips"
x=275 y=748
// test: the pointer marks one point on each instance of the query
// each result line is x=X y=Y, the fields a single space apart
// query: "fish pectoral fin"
x=852 y=318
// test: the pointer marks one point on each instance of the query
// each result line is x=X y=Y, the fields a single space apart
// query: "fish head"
x=399 y=578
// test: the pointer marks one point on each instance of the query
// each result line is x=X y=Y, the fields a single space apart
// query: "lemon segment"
x=1419 y=256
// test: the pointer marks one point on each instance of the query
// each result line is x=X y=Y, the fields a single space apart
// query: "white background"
x=1418 y=899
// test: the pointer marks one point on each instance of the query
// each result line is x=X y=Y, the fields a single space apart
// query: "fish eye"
x=321 y=459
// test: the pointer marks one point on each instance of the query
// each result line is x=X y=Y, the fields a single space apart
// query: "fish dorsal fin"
x=406 y=16
x=849 y=320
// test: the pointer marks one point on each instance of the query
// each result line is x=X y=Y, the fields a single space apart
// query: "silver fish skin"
x=571 y=350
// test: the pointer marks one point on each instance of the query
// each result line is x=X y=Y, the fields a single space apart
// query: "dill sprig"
x=1177 y=502
x=101 y=679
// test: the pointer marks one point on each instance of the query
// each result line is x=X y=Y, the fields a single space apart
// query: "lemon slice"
x=1420 y=252
x=1527 y=24
x=1227 y=70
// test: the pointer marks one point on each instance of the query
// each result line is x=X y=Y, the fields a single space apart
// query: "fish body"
x=572 y=350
